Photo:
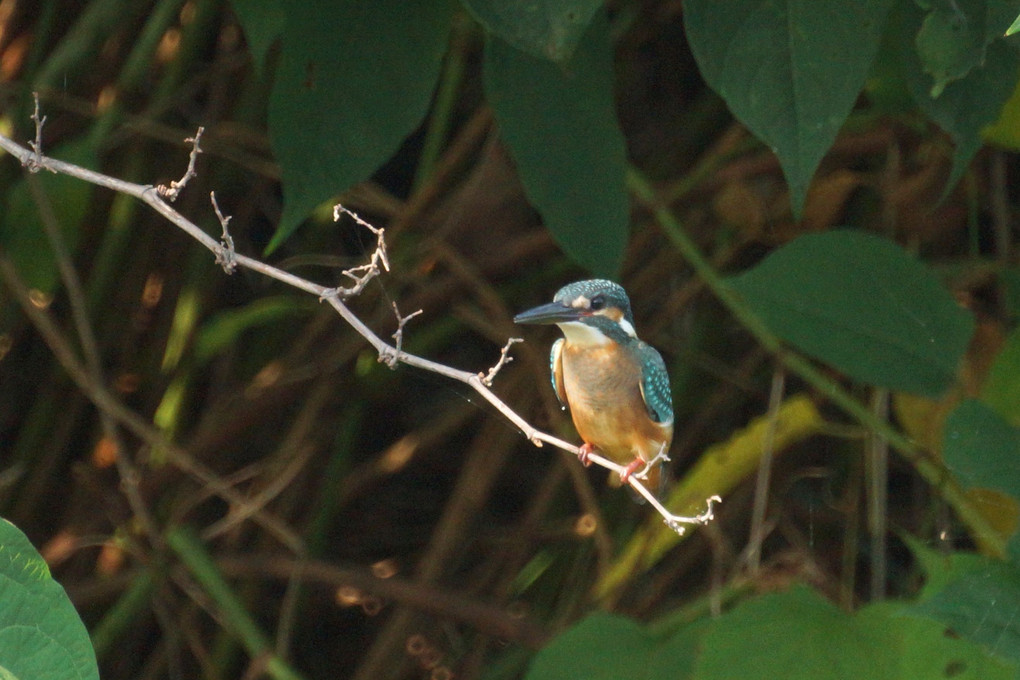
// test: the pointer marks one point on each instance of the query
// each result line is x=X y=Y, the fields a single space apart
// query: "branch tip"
x=34 y=163
x=173 y=190
x=504 y=359
x=226 y=256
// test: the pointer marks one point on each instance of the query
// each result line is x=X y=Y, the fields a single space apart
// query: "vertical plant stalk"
x=235 y=617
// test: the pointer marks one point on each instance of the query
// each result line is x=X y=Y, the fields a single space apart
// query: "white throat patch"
x=578 y=333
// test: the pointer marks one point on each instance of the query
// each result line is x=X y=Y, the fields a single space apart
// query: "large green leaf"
x=41 y=635
x=790 y=70
x=982 y=448
x=863 y=305
x=354 y=79
x=601 y=647
x=559 y=123
x=792 y=635
x=549 y=29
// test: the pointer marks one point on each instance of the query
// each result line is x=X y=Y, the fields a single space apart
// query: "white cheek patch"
x=578 y=333
x=627 y=328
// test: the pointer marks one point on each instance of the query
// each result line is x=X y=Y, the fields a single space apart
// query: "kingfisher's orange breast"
x=602 y=386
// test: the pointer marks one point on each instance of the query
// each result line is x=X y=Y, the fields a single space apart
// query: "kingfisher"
x=615 y=385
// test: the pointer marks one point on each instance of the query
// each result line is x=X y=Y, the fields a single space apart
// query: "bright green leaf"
x=559 y=123
x=1013 y=27
x=982 y=449
x=354 y=80
x=1001 y=390
x=863 y=305
x=790 y=70
x=41 y=635
x=549 y=29
x=22 y=233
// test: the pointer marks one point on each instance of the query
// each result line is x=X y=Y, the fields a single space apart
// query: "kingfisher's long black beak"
x=553 y=312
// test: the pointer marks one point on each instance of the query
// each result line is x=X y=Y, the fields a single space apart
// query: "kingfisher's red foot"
x=631 y=469
x=586 y=450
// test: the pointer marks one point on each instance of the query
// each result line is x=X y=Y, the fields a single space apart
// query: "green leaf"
x=224 y=328
x=548 y=29
x=981 y=448
x=354 y=80
x=950 y=43
x=981 y=605
x=794 y=635
x=262 y=22
x=1013 y=27
x=923 y=650
x=41 y=635
x=22 y=233
x=601 y=647
x=790 y=70
x=1001 y=390
x=967 y=105
x=559 y=124
x=863 y=305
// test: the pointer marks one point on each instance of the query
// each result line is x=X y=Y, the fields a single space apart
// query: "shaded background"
x=435 y=540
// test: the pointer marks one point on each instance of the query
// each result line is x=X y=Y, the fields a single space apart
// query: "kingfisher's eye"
x=598 y=302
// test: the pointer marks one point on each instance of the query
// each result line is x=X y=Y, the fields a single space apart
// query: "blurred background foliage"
x=323 y=514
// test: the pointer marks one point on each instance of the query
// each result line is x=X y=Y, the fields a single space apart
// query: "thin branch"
x=34 y=164
x=504 y=359
x=226 y=256
x=175 y=188
x=364 y=273
x=152 y=197
x=392 y=358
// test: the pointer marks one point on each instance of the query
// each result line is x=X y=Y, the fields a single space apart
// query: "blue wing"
x=655 y=385
x=556 y=371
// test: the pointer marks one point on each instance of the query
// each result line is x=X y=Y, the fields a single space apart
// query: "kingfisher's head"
x=593 y=312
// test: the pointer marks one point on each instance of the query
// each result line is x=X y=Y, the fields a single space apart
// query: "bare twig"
x=504 y=359
x=175 y=188
x=364 y=273
x=226 y=256
x=392 y=358
x=34 y=164
x=335 y=297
